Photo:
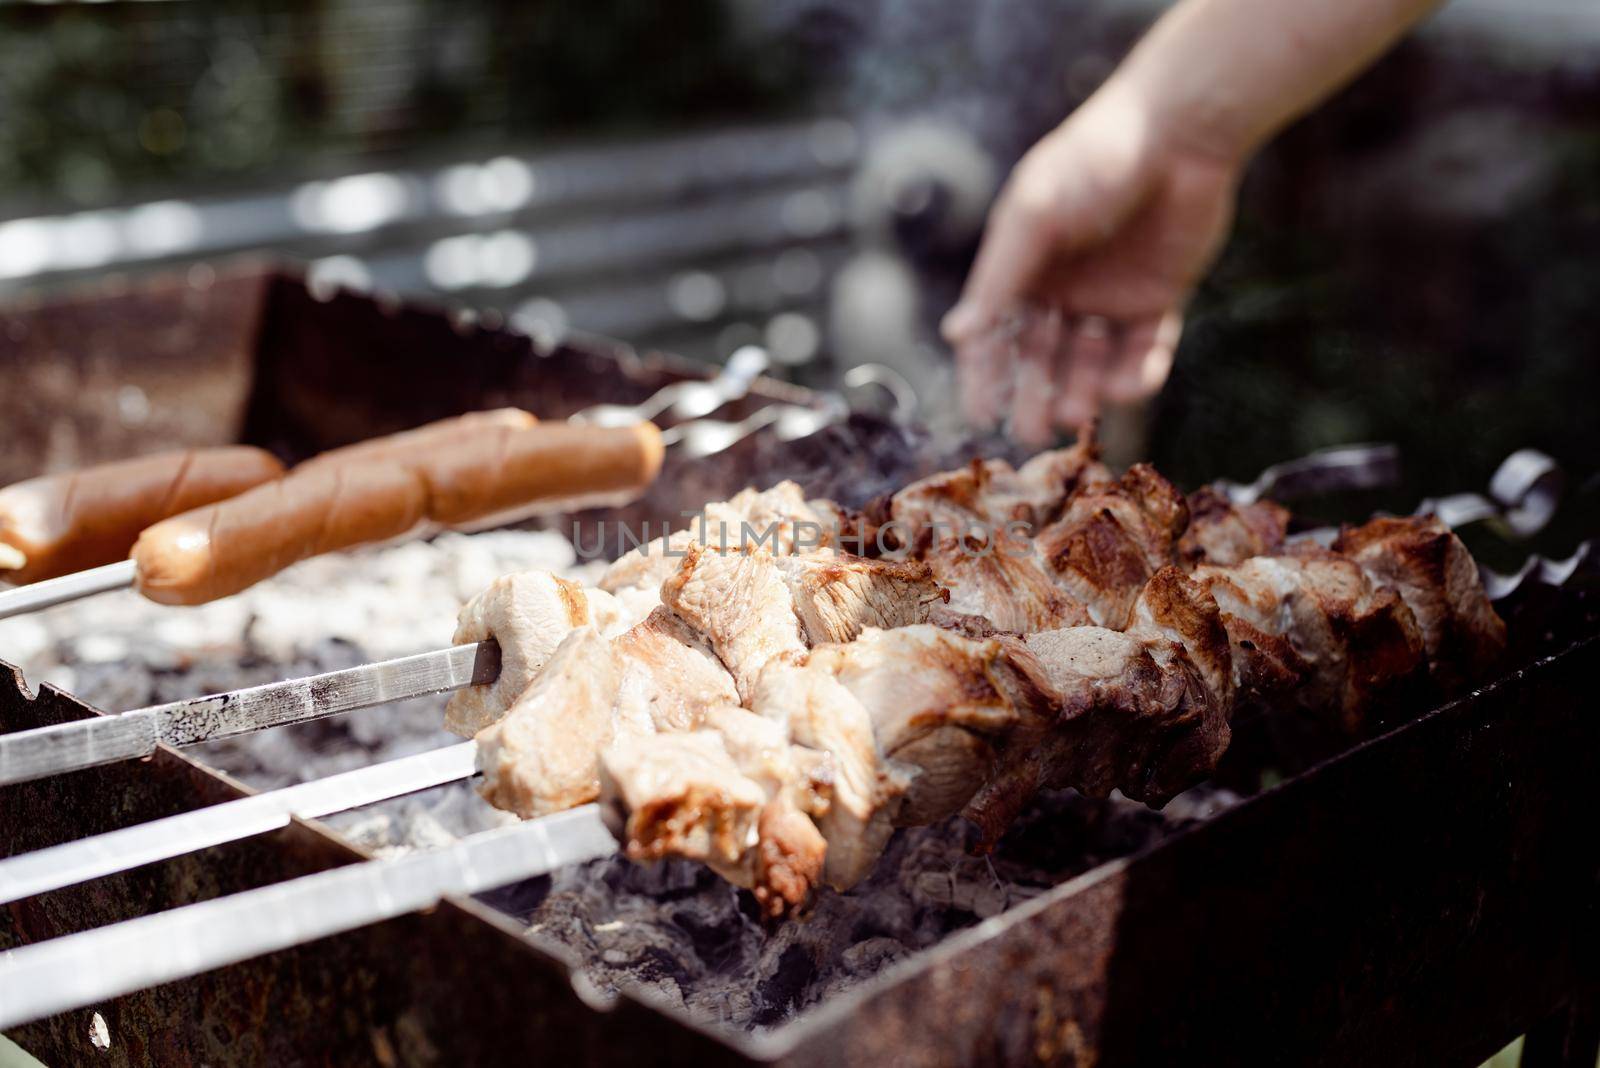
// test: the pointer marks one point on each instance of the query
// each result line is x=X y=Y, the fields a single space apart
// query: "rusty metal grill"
x=1418 y=899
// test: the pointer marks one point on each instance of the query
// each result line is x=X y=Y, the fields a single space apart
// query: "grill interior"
x=1080 y=928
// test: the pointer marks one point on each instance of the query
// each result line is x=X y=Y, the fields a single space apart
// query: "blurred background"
x=1418 y=262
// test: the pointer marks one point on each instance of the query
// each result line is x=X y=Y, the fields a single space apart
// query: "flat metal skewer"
x=43 y=870
x=92 y=966
x=86 y=743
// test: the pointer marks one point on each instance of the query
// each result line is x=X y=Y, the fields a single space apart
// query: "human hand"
x=1089 y=255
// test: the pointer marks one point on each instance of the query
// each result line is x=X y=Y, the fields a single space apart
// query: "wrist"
x=1185 y=117
x=1165 y=123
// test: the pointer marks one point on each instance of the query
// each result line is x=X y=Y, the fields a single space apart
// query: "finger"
x=1144 y=358
x=982 y=373
x=1038 y=346
x=1017 y=243
x=1087 y=357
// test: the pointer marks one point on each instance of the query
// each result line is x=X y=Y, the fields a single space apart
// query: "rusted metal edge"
x=1420 y=898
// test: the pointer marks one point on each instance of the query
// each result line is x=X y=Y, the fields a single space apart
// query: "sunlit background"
x=1418 y=262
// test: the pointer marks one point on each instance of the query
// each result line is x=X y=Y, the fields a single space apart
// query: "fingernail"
x=960 y=322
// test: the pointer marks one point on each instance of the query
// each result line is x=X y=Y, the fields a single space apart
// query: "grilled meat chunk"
x=681 y=795
x=1111 y=539
x=528 y=613
x=836 y=597
x=734 y=794
x=646 y=567
x=1421 y=560
x=821 y=714
x=1005 y=582
x=657 y=676
x=1087 y=566
x=988 y=494
x=670 y=676
x=542 y=756
x=740 y=602
x=1146 y=711
x=752 y=606
x=1309 y=628
x=1221 y=532
x=779 y=520
x=939 y=704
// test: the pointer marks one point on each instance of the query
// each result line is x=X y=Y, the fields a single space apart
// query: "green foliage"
x=1461 y=342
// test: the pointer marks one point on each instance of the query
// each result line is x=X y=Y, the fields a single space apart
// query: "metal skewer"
x=87 y=743
x=91 y=966
x=50 y=592
x=70 y=863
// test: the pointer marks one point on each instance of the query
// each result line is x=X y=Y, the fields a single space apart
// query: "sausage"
x=57 y=524
x=226 y=547
x=417 y=443
x=557 y=467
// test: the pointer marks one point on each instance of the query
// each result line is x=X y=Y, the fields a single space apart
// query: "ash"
x=680 y=933
x=674 y=930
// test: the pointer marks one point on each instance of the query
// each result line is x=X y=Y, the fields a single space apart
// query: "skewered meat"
x=734 y=794
x=978 y=725
x=740 y=602
x=1428 y=566
x=681 y=795
x=779 y=520
x=870 y=703
x=1145 y=711
x=670 y=676
x=1112 y=538
x=1221 y=532
x=837 y=597
x=1087 y=566
x=822 y=714
x=657 y=676
x=725 y=617
x=1005 y=582
x=1308 y=627
x=529 y=614
x=989 y=494
x=939 y=702
x=753 y=606
x=922 y=723
x=542 y=756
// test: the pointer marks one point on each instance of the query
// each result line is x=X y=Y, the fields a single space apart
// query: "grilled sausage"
x=57 y=524
x=414 y=444
x=221 y=549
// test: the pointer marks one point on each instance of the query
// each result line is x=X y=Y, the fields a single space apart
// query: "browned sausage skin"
x=415 y=444
x=497 y=476
x=57 y=524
